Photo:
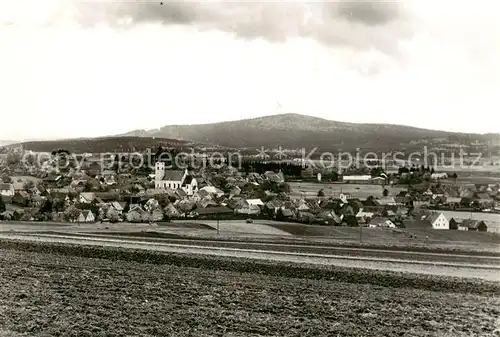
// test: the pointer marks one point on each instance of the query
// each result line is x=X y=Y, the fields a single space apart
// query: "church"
x=174 y=179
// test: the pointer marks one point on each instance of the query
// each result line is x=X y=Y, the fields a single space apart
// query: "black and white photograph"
x=291 y=168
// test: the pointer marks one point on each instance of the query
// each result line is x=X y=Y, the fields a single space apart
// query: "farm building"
x=359 y=179
x=439 y=221
x=473 y=225
x=436 y=176
x=86 y=216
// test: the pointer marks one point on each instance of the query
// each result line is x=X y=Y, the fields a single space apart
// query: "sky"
x=73 y=68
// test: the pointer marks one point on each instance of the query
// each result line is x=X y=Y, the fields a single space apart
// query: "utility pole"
x=217 y=223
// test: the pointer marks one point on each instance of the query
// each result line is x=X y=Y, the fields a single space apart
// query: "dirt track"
x=477 y=267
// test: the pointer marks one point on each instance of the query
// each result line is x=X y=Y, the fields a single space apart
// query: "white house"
x=255 y=202
x=382 y=222
x=213 y=190
x=174 y=179
x=357 y=179
x=439 y=221
x=7 y=190
x=86 y=216
x=436 y=176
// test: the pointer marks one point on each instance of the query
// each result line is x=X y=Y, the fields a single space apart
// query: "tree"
x=185 y=207
x=321 y=193
x=71 y=213
x=385 y=193
x=112 y=215
x=351 y=221
x=28 y=185
x=6 y=179
x=58 y=205
x=2 y=205
x=47 y=207
x=13 y=159
x=87 y=187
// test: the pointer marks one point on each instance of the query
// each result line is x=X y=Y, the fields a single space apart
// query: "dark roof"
x=4 y=187
x=188 y=180
x=472 y=224
x=417 y=223
x=173 y=175
x=433 y=217
x=379 y=220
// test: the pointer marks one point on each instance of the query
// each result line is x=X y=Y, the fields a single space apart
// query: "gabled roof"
x=116 y=205
x=86 y=213
x=23 y=194
x=257 y=202
x=88 y=196
x=5 y=187
x=417 y=223
x=188 y=180
x=173 y=175
x=386 y=201
x=433 y=217
x=472 y=224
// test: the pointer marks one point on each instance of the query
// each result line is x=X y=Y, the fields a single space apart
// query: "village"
x=90 y=193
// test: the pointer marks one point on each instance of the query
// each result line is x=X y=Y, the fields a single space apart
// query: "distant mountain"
x=124 y=144
x=7 y=142
x=300 y=131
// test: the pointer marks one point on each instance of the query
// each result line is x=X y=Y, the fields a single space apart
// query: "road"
x=464 y=266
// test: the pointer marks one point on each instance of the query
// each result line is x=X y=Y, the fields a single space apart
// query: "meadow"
x=361 y=191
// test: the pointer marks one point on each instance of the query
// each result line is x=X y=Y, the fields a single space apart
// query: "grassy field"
x=308 y=189
x=457 y=240
x=56 y=295
x=491 y=219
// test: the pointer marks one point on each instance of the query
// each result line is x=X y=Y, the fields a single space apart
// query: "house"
x=273 y=206
x=359 y=179
x=473 y=225
x=174 y=179
x=439 y=221
x=364 y=215
x=204 y=203
x=274 y=177
x=86 y=216
x=255 y=202
x=21 y=198
x=52 y=178
x=417 y=223
x=437 y=176
x=118 y=206
x=189 y=185
x=137 y=214
x=170 y=211
x=453 y=201
x=454 y=224
x=86 y=197
x=285 y=212
x=330 y=218
x=379 y=180
x=7 y=190
x=381 y=222
x=213 y=190
x=248 y=208
x=386 y=201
